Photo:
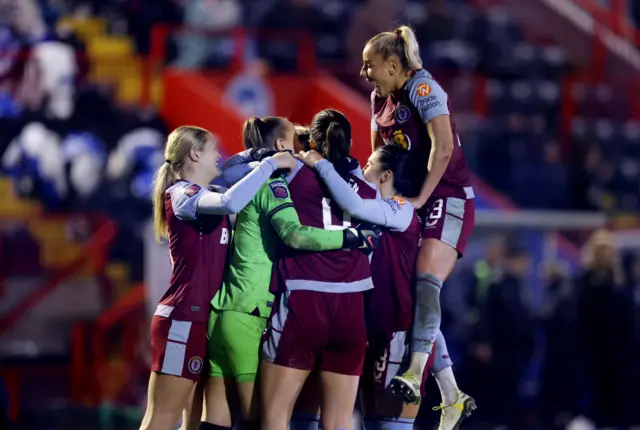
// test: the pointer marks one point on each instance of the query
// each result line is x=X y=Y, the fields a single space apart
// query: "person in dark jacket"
x=605 y=332
x=506 y=336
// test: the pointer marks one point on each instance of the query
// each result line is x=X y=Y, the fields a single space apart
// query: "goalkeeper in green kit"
x=242 y=307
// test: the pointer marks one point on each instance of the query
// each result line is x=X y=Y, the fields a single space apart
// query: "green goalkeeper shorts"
x=233 y=344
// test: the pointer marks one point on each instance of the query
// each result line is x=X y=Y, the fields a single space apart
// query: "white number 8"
x=436 y=213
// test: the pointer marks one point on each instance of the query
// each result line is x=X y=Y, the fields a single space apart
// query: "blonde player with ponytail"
x=411 y=110
x=194 y=217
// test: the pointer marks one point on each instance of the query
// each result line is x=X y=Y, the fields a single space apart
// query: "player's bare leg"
x=248 y=394
x=193 y=411
x=168 y=396
x=338 y=400
x=436 y=260
x=219 y=401
x=280 y=387
x=306 y=412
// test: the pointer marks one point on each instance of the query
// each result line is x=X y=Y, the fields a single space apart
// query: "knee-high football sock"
x=443 y=371
x=426 y=322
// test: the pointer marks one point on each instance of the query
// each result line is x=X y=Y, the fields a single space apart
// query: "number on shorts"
x=436 y=213
x=326 y=217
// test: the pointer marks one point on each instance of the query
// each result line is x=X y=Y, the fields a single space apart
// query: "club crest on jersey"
x=423 y=90
x=191 y=190
x=195 y=365
x=402 y=114
x=279 y=189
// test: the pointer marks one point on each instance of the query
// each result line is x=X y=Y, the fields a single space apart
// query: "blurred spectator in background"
x=561 y=366
x=197 y=47
x=35 y=161
x=85 y=156
x=604 y=332
x=249 y=93
x=137 y=156
x=505 y=338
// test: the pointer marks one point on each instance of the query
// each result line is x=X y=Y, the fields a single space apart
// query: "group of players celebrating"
x=331 y=283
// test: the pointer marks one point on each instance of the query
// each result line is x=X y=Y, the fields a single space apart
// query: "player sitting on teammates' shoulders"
x=390 y=303
x=411 y=110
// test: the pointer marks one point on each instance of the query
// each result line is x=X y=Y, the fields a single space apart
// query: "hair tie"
x=398 y=33
x=168 y=162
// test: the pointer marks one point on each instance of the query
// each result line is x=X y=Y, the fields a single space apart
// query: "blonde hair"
x=400 y=42
x=599 y=238
x=179 y=143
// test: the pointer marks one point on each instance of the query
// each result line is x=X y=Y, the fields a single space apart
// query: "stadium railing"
x=94 y=347
x=93 y=257
x=614 y=14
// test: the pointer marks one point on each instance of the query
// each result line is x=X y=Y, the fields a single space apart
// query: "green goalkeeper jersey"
x=262 y=227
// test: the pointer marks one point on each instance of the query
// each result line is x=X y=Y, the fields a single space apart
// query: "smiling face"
x=208 y=158
x=378 y=70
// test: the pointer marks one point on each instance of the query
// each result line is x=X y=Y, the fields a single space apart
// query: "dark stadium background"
x=546 y=97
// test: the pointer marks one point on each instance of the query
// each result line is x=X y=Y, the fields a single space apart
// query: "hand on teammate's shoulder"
x=284 y=160
x=259 y=154
x=310 y=158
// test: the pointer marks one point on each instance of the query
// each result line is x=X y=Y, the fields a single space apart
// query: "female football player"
x=390 y=303
x=411 y=110
x=241 y=307
x=319 y=319
x=195 y=220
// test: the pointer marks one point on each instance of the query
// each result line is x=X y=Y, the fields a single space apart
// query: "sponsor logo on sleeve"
x=429 y=103
x=402 y=114
x=423 y=90
x=394 y=205
x=399 y=200
x=191 y=190
x=279 y=189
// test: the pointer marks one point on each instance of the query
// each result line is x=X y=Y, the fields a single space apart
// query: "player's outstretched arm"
x=237 y=167
x=274 y=201
x=394 y=214
x=188 y=200
x=295 y=235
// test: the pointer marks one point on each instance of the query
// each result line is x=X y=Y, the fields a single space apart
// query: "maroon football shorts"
x=388 y=358
x=178 y=347
x=448 y=219
x=310 y=329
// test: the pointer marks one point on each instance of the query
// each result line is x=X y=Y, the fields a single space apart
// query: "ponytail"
x=251 y=135
x=164 y=178
x=411 y=47
x=331 y=133
x=337 y=146
x=263 y=132
x=179 y=143
x=401 y=43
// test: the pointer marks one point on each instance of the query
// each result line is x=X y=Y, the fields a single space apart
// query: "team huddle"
x=310 y=280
